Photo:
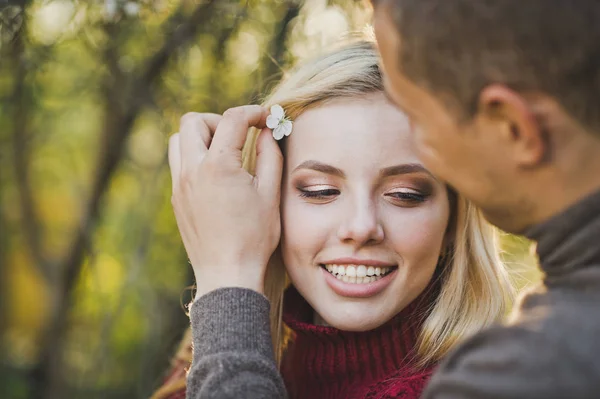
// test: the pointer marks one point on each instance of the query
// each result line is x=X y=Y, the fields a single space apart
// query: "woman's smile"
x=347 y=282
x=357 y=278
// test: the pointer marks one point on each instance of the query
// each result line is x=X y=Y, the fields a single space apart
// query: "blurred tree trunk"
x=16 y=138
x=14 y=171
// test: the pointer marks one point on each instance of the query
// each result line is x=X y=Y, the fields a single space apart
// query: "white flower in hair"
x=277 y=121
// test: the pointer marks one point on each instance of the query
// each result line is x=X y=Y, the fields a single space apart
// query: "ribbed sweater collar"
x=570 y=240
x=323 y=362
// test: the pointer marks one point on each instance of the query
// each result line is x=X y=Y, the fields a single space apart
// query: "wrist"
x=227 y=279
x=200 y=292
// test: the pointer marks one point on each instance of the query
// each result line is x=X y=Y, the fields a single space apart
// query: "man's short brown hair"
x=455 y=48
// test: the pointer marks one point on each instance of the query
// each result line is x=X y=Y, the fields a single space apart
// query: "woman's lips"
x=358 y=290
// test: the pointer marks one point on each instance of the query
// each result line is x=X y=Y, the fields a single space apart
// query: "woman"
x=389 y=268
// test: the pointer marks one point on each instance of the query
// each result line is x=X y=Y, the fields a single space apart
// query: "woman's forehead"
x=362 y=130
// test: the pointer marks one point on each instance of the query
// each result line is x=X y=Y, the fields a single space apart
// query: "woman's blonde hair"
x=475 y=290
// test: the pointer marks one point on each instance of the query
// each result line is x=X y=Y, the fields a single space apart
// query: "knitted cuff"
x=231 y=320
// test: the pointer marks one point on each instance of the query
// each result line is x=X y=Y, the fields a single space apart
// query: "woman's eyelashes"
x=406 y=197
x=318 y=193
x=409 y=197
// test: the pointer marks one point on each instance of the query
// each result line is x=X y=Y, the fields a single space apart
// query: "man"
x=504 y=98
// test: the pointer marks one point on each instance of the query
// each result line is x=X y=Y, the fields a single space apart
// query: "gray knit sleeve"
x=515 y=363
x=233 y=351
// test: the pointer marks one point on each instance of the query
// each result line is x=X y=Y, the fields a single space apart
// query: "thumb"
x=269 y=165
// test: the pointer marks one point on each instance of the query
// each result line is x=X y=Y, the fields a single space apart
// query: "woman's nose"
x=361 y=225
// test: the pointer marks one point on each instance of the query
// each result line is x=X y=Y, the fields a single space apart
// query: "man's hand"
x=228 y=219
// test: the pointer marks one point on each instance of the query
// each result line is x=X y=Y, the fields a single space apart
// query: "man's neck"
x=567 y=190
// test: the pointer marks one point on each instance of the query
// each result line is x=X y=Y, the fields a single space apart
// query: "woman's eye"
x=407 y=196
x=319 y=194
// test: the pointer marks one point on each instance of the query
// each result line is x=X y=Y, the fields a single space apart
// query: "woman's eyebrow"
x=404 y=169
x=320 y=167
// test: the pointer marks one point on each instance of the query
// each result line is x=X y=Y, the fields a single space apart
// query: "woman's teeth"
x=358 y=274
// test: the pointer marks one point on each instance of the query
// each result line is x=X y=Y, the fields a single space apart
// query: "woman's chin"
x=353 y=322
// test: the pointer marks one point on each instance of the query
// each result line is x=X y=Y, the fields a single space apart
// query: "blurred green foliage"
x=92 y=271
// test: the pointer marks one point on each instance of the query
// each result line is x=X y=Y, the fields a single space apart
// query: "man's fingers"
x=269 y=165
x=174 y=159
x=196 y=132
x=233 y=127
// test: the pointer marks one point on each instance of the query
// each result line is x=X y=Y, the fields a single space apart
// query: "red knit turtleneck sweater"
x=324 y=362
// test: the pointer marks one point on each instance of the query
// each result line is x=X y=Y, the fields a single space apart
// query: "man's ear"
x=513 y=117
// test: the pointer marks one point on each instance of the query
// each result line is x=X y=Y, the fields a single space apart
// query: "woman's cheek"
x=417 y=233
x=304 y=223
x=308 y=230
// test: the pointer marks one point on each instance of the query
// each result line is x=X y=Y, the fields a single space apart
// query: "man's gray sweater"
x=550 y=349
